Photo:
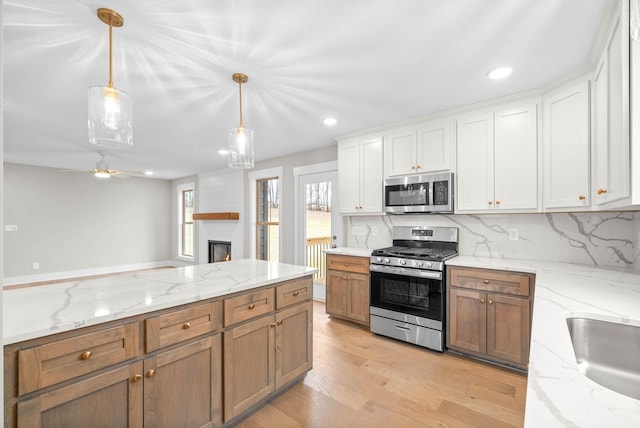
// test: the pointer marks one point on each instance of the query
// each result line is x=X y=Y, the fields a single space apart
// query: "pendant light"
x=110 y=109
x=240 y=138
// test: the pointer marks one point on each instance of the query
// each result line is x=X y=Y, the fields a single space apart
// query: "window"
x=185 y=216
x=267 y=219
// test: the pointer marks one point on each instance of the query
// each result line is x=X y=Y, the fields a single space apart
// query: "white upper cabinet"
x=566 y=147
x=497 y=168
x=611 y=166
x=418 y=149
x=360 y=175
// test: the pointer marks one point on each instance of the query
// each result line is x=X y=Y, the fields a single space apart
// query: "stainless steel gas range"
x=408 y=285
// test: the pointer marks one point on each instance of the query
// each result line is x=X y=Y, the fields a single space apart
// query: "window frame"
x=181 y=189
x=254 y=177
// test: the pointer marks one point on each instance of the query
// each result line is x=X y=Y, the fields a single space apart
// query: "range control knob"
x=429 y=265
x=403 y=262
x=379 y=259
x=419 y=264
x=386 y=260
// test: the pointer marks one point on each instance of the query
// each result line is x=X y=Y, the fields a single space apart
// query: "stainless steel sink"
x=608 y=353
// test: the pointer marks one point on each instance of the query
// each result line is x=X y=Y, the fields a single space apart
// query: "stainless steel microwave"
x=425 y=193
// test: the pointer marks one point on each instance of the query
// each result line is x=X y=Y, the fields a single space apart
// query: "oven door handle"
x=416 y=273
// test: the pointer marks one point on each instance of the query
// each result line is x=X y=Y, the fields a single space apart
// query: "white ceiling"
x=366 y=62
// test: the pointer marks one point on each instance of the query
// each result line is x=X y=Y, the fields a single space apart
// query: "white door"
x=320 y=223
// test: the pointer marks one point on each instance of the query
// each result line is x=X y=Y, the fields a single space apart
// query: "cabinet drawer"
x=175 y=327
x=48 y=364
x=248 y=306
x=293 y=292
x=491 y=280
x=348 y=263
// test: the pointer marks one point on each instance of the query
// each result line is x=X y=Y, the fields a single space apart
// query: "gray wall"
x=73 y=221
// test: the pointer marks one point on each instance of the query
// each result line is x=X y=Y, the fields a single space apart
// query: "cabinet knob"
x=295 y=293
x=490 y=302
x=136 y=378
x=151 y=373
x=490 y=202
x=186 y=326
x=251 y=306
x=497 y=202
x=601 y=191
x=413 y=167
x=486 y=281
x=272 y=325
x=481 y=300
x=582 y=197
x=279 y=322
x=359 y=208
x=86 y=355
x=418 y=167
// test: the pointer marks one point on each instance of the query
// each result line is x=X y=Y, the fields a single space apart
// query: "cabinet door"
x=566 y=147
x=349 y=176
x=294 y=343
x=249 y=365
x=112 y=399
x=475 y=163
x=467 y=320
x=371 y=173
x=336 y=293
x=433 y=147
x=400 y=152
x=357 y=291
x=612 y=182
x=183 y=386
x=508 y=321
x=516 y=155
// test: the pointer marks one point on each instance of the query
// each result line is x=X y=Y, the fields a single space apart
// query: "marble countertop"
x=349 y=251
x=558 y=395
x=39 y=311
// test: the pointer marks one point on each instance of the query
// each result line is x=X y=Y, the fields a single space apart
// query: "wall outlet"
x=10 y=227
x=374 y=231
x=514 y=234
x=35 y=265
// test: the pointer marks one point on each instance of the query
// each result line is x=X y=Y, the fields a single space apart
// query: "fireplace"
x=219 y=251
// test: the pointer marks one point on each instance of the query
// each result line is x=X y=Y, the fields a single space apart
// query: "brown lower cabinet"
x=165 y=369
x=348 y=287
x=489 y=314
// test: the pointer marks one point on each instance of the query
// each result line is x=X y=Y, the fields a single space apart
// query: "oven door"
x=408 y=291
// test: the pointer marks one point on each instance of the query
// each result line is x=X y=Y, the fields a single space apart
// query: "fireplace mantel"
x=216 y=216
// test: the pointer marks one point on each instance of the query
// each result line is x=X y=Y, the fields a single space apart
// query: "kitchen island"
x=84 y=349
x=558 y=395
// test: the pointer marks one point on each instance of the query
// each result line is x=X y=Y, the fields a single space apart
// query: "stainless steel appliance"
x=425 y=193
x=408 y=285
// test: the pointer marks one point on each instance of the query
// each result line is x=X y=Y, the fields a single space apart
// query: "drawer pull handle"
x=279 y=322
x=272 y=325
x=186 y=326
x=490 y=302
x=151 y=373
x=136 y=378
x=251 y=306
x=346 y=264
x=401 y=327
x=481 y=300
x=295 y=293
x=86 y=355
x=486 y=281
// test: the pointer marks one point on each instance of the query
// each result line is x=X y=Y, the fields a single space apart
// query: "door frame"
x=298 y=222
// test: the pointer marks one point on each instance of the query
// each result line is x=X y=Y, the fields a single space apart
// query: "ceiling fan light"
x=240 y=147
x=101 y=174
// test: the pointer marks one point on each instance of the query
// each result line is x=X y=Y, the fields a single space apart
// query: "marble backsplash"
x=597 y=239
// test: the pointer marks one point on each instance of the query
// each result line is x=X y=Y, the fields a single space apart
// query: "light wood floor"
x=363 y=380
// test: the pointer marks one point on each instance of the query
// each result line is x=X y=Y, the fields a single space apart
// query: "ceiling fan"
x=102 y=170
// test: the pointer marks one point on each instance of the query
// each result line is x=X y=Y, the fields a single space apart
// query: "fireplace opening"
x=219 y=251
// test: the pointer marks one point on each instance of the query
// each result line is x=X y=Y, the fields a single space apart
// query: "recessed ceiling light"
x=223 y=152
x=499 y=73
x=330 y=121
x=148 y=173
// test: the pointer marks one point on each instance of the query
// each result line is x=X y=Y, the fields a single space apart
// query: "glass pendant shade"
x=240 y=147
x=110 y=118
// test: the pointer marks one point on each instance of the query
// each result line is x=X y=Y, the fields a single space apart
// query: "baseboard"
x=55 y=276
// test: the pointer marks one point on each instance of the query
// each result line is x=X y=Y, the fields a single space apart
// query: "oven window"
x=416 y=296
x=403 y=195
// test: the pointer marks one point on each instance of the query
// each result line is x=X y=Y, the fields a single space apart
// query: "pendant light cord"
x=110 y=54
x=240 y=91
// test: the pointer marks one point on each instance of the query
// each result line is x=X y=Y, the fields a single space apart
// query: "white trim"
x=13 y=280
x=298 y=233
x=254 y=176
x=179 y=189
